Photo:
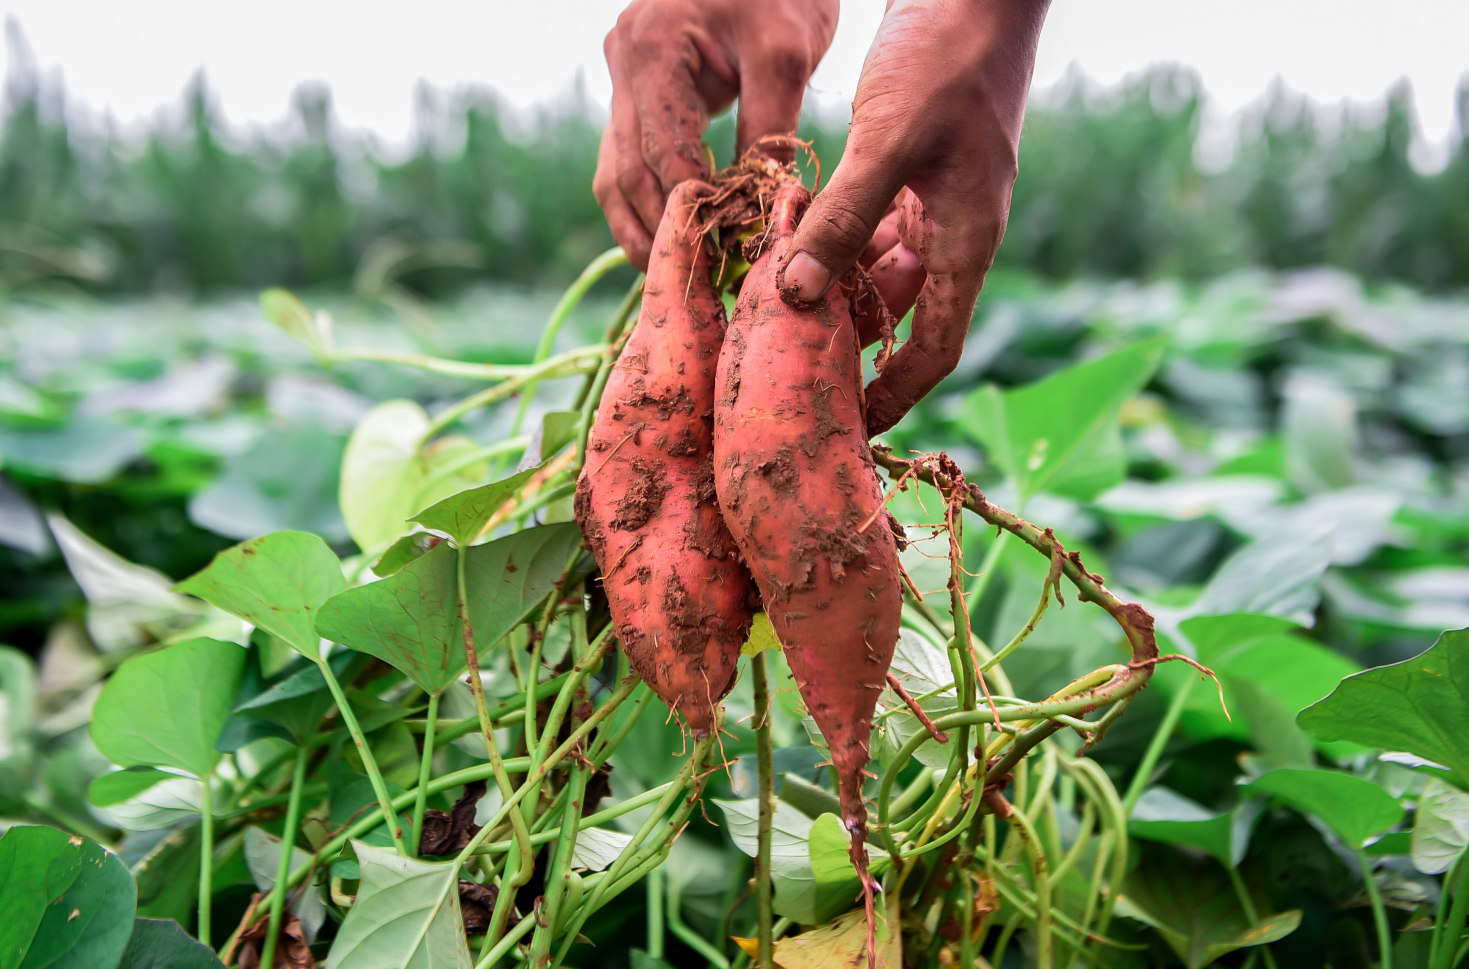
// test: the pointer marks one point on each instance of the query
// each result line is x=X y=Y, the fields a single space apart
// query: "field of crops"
x=305 y=661
x=1273 y=464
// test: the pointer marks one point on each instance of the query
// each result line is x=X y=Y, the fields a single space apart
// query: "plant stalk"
x=369 y=762
x=206 y=859
x=765 y=757
x=425 y=769
x=283 y=866
x=1379 y=912
x=1154 y=753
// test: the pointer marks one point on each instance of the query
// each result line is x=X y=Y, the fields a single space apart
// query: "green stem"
x=507 y=942
x=492 y=751
x=580 y=360
x=283 y=866
x=425 y=769
x=483 y=454
x=556 y=881
x=1445 y=954
x=206 y=859
x=1379 y=912
x=1248 y=904
x=593 y=396
x=1038 y=869
x=690 y=938
x=369 y=762
x=764 y=918
x=654 y=883
x=1154 y=753
x=595 y=270
x=988 y=566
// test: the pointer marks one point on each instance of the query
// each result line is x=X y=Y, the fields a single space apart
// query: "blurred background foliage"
x=1111 y=184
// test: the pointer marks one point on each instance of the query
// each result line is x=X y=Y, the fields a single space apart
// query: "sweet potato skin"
x=679 y=596
x=796 y=483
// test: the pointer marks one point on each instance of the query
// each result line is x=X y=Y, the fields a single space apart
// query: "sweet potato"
x=797 y=485
x=679 y=596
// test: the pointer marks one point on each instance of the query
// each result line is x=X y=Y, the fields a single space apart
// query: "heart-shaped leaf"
x=1164 y=816
x=406 y=914
x=1193 y=905
x=276 y=582
x=1061 y=432
x=411 y=618
x=163 y=944
x=462 y=516
x=117 y=786
x=1417 y=705
x=68 y=902
x=167 y=708
x=1440 y=827
x=1354 y=808
x=837 y=886
x=388 y=472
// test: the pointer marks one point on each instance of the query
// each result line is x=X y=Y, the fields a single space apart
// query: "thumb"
x=841 y=219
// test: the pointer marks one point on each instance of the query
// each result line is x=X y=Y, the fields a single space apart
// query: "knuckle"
x=840 y=227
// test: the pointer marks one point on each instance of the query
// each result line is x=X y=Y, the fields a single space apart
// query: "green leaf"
x=285 y=309
x=790 y=857
x=406 y=914
x=168 y=876
x=462 y=516
x=1215 y=635
x=387 y=472
x=123 y=785
x=1440 y=827
x=403 y=551
x=276 y=582
x=68 y=902
x=558 y=428
x=167 y=708
x=1354 y=808
x=1164 y=816
x=1416 y=706
x=287 y=480
x=1193 y=905
x=17 y=713
x=1062 y=431
x=835 y=878
x=87 y=452
x=299 y=701
x=410 y=619
x=163 y=944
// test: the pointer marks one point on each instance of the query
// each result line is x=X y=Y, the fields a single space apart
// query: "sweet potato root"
x=796 y=482
x=679 y=596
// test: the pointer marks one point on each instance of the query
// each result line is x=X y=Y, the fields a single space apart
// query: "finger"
x=663 y=72
x=637 y=184
x=955 y=239
x=628 y=230
x=774 y=77
x=882 y=240
x=940 y=323
x=846 y=214
x=898 y=277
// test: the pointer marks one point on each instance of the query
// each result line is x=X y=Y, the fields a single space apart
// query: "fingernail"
x=806 y=279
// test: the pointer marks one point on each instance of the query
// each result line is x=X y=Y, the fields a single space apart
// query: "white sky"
x=132 y=57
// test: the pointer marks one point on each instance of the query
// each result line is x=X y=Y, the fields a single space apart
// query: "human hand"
x=938 y=110
x=676 y=62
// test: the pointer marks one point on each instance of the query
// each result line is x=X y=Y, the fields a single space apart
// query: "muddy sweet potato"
x=797 y=485
x=679 y=596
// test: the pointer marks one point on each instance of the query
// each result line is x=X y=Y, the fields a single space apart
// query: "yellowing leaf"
x=762 y=636
x=840 y=944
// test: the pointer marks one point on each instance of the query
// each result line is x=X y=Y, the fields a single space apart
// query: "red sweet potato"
x=797 y=485
x=680 y=598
